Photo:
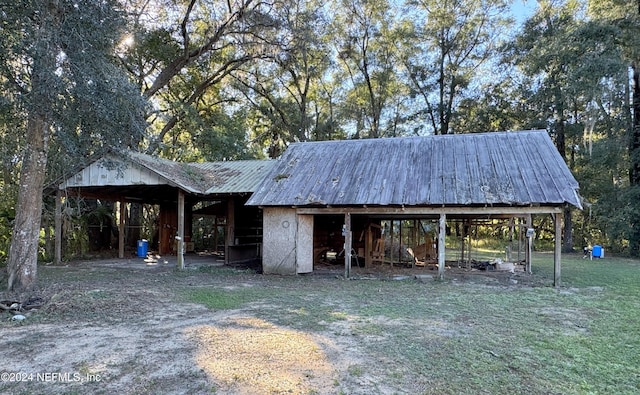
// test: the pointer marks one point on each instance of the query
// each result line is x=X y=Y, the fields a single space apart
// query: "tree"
x=450 y=42
x=625 y=16
x=569 y=63
x=365 y=38
x=182 y=52
x=57 y=65
x=283 y=87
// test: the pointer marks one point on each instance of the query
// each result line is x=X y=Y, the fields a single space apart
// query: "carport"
x=512 y=175
x=132 y=177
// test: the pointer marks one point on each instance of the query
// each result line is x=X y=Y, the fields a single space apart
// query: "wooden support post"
x=414 y=240
x=347 y=245
x=557 y=252
x=230 y=229
x=368 y=247
x=512 y=225
x=122 y=208
x=391 y=236
x=519 y=239
x=463 y=243
x=442 y=230
x=58 y=229
x=180 y=238
x=529 y=243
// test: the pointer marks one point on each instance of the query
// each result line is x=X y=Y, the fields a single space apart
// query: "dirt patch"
x=123 y=327
x=247 y=355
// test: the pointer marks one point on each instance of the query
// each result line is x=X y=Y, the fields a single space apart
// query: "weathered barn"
x=322 y=193
x=175 y=187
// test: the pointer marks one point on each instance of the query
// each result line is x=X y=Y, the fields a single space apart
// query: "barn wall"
x=99 y=175
x=168 y=229
x=304 y=244
x=279 y=240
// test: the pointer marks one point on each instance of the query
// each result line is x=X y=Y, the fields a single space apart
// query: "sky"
x=522 y=9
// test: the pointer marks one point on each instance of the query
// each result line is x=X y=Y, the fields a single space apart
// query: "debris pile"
x=21 y=310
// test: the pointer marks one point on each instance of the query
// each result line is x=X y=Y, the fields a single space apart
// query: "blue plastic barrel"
x=597 y=251
x=143 y=246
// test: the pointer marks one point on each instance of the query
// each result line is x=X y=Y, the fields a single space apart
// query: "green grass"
x=468 y=338
x=217 y=299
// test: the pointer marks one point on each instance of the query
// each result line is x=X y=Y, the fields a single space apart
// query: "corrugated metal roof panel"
x=241 y=176
x=175 y=173
x=503 y=168
x=210 y=177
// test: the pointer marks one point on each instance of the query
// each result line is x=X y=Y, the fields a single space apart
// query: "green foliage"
x=450 y=42
x=7 y=214
x=243 y=80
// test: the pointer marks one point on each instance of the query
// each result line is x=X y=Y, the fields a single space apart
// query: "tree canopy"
x=208 y=80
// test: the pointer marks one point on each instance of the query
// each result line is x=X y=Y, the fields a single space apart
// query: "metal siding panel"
x=352 y=167
x=520 y=177
x=396 y=172
x=558 y=171
x=373 y=190
x=463 y=181
x=338 y=179
x=436 y=196
x=488 y=168
x=537 y=176
x=327 y=173
x=418 y=171
x=499 y=151
x=448 y=171
x=485 y=169
x=473 y=174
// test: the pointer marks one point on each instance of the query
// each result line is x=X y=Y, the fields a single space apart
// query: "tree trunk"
x=567 y=236
x=634 y=168
x=23 y=252
x=22 y=265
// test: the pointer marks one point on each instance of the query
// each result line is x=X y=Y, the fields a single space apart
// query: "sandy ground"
x=118 y=328
x=149 y=343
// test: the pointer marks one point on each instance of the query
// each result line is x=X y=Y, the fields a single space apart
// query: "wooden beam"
x=230 y=228
x=180 y=238
x=122 y=206
x=557 y=251
x=529 y=244
x=432 y=211
x=57 y=237
x=368 y=246
x=347 y=245
x=442 y=231
x=463 y=243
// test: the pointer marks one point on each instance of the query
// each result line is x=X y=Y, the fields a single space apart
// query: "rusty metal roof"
x=242 y=176
x=209 y=178
x=136 y=169
x=501 y=168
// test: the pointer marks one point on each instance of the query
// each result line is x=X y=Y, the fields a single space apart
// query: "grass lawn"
x=213 y=329
x=465 y=337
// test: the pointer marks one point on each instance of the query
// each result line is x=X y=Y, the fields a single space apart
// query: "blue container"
x=143 y=247
x=597 y=251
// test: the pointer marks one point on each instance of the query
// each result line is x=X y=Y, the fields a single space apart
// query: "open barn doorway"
x=386 y=241
x=375 y=241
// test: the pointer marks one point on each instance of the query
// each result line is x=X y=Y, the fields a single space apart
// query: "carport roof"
x=134 y=173
x=481 y=169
